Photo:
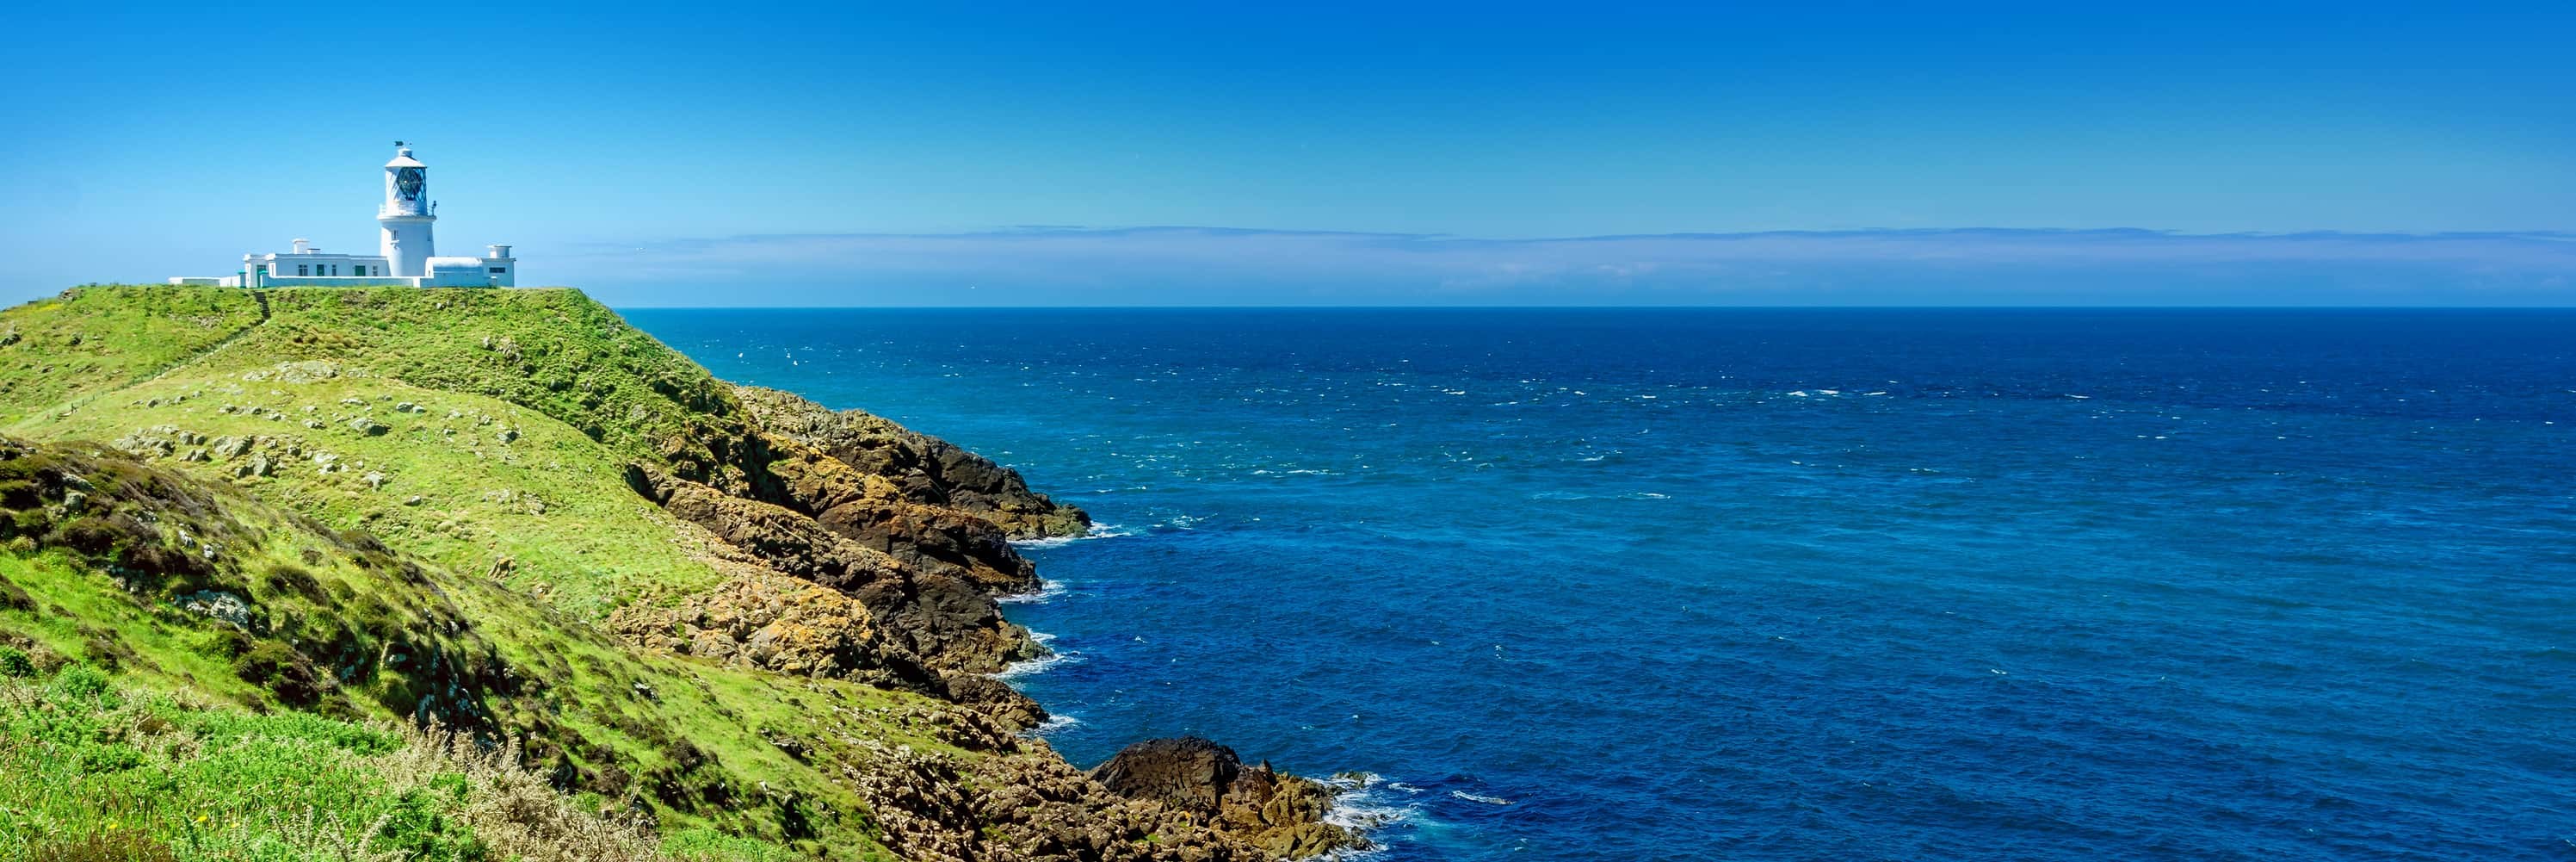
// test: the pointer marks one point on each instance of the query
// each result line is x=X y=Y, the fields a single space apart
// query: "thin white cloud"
x=1232 y=266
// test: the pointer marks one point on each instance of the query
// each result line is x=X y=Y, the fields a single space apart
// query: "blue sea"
x=1792 y=584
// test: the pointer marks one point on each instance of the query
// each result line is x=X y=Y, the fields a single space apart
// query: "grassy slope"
x=110 y=773
x=55 y=351
x=523 y=408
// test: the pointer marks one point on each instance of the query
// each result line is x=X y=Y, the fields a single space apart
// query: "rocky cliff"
x=713 y=606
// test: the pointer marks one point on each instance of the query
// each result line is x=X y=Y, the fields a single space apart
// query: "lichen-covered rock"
x=229 y=447
x=923 y=469
x=1188 y=772
x=232 y=609
x=763 y=619
x=1030 y=805
x=945 y=621
x=307 y=371
x=1282 y=814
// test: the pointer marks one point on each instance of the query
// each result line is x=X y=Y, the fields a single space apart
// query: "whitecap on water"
x=1035 y=666
x=1052 y=724
x=1471 y=797
x=1046 y=590
x=1097 y=531
x=1361 y=804
x=1032 y=667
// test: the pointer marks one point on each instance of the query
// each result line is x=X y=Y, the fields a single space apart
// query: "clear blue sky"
x=616 y=144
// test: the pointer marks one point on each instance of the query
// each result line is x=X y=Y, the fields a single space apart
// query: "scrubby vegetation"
x=400 y=506
x=254 y=545
x=55 y=351
x=102 y=772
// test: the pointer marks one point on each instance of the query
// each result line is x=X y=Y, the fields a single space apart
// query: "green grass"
x=53 y=352
x=104 y=772
x=527 y=405
x=458 y=429
x=461 y=479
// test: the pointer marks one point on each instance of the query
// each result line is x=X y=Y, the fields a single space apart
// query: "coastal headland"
x=489 y=573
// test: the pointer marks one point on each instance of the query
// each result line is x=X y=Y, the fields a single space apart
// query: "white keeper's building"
x=406 y=256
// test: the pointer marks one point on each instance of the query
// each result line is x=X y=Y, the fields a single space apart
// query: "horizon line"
x=1586 y=307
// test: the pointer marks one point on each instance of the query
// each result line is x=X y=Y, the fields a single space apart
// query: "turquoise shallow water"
x=1794 y=584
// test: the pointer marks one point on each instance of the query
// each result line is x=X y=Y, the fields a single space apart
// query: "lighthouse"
x=410 y=257
x=407 y=215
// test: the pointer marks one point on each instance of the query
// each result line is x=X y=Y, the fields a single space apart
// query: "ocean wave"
x=1097 y=531
x=1361 y=804
x=1046 y=591
x=1488 y=800
x=1052 y=724
x=1034 y=666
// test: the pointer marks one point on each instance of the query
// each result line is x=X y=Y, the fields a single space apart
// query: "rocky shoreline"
x=878 y=554
x=512 y=515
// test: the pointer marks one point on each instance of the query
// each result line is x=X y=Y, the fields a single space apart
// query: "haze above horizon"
x=1336 y=155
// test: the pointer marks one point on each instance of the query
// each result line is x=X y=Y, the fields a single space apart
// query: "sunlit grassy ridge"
x=392 y=504
x=54 y=351
x=104 y=772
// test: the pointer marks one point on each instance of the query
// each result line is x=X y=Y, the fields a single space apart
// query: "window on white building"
x=499 y=270
x=299 y=269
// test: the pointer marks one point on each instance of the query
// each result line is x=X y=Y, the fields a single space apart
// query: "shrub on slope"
x=103 y=772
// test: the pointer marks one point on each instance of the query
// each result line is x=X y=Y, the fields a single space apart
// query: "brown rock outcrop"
x=917 y=622
x=923 y=469
x=1030 y=805
x=1280 y=813
x=868 y=552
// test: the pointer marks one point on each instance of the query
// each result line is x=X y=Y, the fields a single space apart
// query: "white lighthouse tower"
x=407 y=215
x=410 y=257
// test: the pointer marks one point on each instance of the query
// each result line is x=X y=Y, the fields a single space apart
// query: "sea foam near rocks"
x=1097 y=531
x=1046 y=591
x=1034 y=666
x=1367 y=804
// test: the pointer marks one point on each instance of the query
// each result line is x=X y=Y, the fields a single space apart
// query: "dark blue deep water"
x=1794 y=584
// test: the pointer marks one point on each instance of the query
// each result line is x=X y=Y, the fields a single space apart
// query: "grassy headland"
x=256 y=539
